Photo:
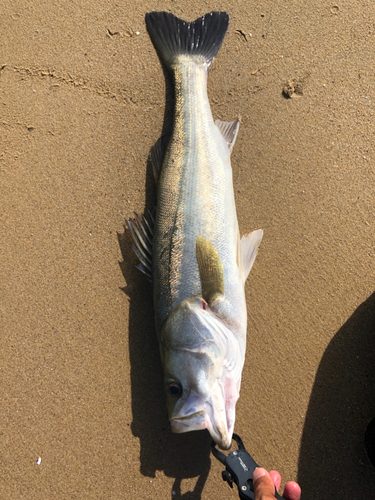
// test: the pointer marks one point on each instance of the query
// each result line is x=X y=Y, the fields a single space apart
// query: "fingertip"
x=276 y=478
x=292 y=491
x=258 y=473
x=263 y=484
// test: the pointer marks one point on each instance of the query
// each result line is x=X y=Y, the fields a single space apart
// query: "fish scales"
x=199 y=263
x=194 y=193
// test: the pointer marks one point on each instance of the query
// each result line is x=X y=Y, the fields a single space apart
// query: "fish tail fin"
x=173 y=37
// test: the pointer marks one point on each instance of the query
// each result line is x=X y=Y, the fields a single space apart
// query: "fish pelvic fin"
x=173 y=37
x=211 y=269
x=142 y=229
x=249 y=248
x=229 y=131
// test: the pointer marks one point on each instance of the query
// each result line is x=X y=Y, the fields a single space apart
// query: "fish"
x=191 y=249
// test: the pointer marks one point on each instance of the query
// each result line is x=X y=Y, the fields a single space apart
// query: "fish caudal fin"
x=249 y=248
x=173 y=37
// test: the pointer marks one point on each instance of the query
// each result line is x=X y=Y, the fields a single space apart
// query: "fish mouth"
x=190 y=417
x=217 y=425
x=220 y=415
x=215 y=418
x=193 y=422
x=220 y=430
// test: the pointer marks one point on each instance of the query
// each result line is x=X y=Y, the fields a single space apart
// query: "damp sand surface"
x=83 y=97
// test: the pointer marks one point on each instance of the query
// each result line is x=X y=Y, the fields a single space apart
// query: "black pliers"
x=239 y=469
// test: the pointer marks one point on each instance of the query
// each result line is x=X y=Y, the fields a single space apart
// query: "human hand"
x=264 y=486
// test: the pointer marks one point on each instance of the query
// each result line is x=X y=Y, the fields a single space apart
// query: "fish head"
x=202 y=365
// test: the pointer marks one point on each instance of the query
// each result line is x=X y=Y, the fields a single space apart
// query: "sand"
x=82 y=100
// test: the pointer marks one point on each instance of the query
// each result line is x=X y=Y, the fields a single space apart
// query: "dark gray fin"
x=157 y=155
x=173 y=36
x=229 y=131
x=142 y=229
x=211 y=270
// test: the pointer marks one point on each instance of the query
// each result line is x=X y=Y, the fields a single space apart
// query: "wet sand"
x=83 y=98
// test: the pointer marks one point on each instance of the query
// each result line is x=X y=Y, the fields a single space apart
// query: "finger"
x=264 y=488
x=292 y=491
x=276 y=478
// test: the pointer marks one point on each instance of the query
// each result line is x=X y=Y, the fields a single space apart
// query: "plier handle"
x=239 y=468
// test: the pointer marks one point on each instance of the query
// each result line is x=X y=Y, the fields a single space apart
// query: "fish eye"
x=175 y=389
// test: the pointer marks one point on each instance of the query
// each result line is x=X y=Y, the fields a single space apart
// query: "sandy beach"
x=83 y=97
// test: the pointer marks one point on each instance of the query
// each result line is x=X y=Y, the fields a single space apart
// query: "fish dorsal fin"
x=249 y=248
x=157 y=155
x=211 y=269
x=142 y=229
x=229 y=131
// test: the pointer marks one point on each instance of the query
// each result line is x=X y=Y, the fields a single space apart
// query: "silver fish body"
x=199 y=263
x=195 y=197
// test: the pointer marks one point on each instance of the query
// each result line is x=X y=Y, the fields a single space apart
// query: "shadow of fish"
x=192 y=250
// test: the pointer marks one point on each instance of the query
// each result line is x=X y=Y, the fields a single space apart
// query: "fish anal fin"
x=211 y=270
x=229 y=131
x=249 y=248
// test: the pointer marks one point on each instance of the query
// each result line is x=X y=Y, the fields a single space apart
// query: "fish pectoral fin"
x=211 y=270
x=249 y=248
x=229 y=131
x=157 y=155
